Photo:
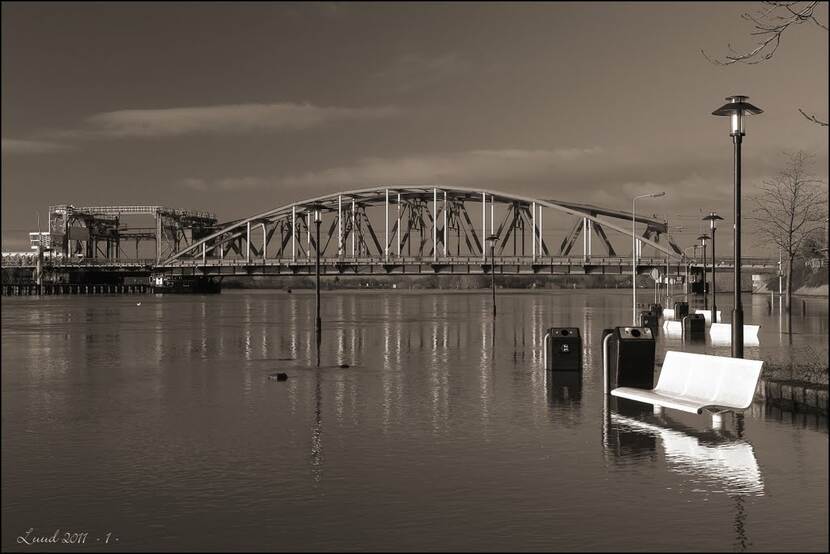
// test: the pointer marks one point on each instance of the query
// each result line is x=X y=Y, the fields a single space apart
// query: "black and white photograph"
x=414 y=276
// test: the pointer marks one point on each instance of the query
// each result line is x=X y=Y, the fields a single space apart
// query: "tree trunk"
x=790 y=295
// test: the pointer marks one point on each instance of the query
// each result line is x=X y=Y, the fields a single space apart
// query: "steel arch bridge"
x=418 y=229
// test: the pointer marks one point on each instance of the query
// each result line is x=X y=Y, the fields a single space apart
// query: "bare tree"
x=791 y=209
x=770 y=24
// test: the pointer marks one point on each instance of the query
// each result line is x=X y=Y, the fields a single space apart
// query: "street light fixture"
x=686 y=260
x=634 y=253
x=703 y=239
x=491 y=242
x=713 y=218
x=736 y=108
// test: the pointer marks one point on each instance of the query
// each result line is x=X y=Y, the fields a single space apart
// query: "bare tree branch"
x=812 y=118
x=770 y=24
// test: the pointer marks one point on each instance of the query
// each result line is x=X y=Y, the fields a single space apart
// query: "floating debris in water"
x=278 y=376
x=343 y=366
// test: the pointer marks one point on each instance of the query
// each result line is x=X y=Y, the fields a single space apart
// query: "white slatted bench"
x=707 y=315
x=750 y=331
x=694 y=382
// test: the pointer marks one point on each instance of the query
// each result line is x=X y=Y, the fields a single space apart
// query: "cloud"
x=226 y=119
x=460 y=168
x=18 y=146
x=415 y=71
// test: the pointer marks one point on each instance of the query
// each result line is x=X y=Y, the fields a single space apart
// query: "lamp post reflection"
x=317 y=433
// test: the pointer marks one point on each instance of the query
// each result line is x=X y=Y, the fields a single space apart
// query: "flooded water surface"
x=157 y=426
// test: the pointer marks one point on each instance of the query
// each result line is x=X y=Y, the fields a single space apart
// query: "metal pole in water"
x=493 y=273
x=738 y=313
x=317 y=271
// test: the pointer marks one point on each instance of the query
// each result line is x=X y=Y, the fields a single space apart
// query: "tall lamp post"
x=491 y=242
x=634 y=253
x=703 y=239
x=686 y=259
x=713 y=218
x=736 y=108
x=317 y=220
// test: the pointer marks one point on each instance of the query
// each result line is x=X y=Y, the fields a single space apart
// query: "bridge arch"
x=432 y=211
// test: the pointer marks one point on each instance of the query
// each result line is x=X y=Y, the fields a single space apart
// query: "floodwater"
x=156 y=427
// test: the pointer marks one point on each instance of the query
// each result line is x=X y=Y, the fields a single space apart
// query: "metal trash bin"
x=694 y=325
x=629 y=358
x=650 y=320
x=681 y=310
x=563 y=349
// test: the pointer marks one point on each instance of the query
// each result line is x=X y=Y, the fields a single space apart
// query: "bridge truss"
x=438 y=225
x=93 y=232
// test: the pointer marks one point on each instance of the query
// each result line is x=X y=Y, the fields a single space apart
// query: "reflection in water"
x=564 y=395
x=422 y=368
x=317 y=433
x=621 y=443
x=714 y=461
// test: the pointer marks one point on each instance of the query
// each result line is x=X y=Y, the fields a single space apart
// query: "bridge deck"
x=393 y=264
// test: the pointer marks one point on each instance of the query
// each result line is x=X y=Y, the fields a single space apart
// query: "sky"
x=236 y=108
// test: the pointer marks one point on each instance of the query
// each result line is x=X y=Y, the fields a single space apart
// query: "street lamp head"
x=318 y=212
x=712 y=218
x=703 y=239
x=736 y=108
x=658 y=194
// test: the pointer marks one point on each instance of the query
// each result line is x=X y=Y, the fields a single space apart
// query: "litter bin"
x=650 y=320
x=630 y=358
x=694 y=325
x=563 y=349
x=681 y=310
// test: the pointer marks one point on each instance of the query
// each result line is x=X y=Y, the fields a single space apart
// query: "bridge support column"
x=483 y=225
x=248 y=244
x=445 y=224
x=293 y=233
x=398 y=226
x=386 y=231
x=339 y=225
x=353 y=228
x=533 y=232
x=435 y=224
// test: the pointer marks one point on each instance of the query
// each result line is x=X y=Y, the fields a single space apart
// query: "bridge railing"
x=425 y=260
x=65 y=261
